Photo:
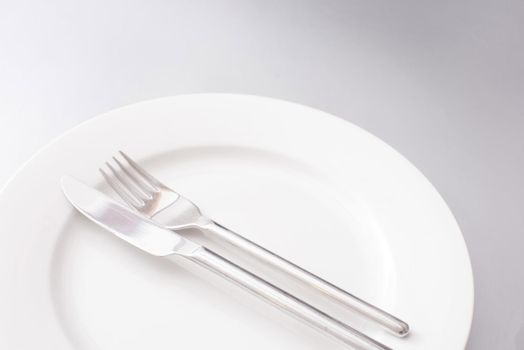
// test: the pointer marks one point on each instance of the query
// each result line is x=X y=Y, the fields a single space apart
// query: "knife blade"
x=132 y=228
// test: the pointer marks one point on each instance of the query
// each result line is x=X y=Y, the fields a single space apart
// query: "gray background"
x=440 y=81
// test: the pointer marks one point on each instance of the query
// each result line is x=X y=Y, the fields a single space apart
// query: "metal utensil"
x=153 y=199
x=153 y=239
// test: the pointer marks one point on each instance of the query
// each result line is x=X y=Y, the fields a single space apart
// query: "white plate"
x=309 y=186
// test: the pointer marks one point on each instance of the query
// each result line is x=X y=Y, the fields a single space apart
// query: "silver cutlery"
x=151 y=198
x=153 y=239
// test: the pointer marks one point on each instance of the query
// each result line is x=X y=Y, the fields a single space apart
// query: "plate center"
x=110 y=295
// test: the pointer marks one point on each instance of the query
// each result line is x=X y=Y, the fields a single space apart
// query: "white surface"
x=440 y=81
x=330 y=197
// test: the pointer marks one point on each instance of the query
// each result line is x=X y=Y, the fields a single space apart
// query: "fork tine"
x=119 y=189
x=132 y=190
x=152 y=181
x=140 y=183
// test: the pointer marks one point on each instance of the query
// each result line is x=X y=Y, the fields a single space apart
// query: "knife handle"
x=390 y=322
x=284 y=301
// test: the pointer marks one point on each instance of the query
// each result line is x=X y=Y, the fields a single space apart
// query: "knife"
x=149 y=237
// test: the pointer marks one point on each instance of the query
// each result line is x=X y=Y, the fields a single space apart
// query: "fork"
x=151 y=198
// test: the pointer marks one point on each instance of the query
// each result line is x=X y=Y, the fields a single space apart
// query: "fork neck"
x=204 y=223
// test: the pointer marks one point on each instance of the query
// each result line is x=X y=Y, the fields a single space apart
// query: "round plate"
x=311 y=187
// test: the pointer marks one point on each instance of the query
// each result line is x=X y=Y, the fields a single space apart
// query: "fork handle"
x=390 y=322
x=284 y=301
